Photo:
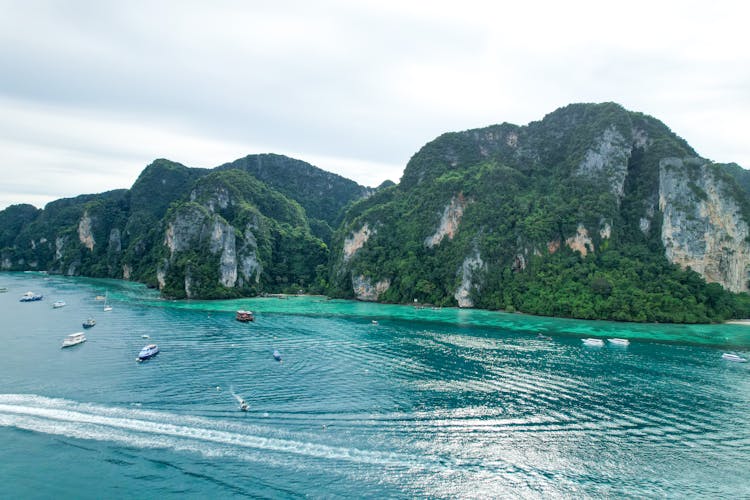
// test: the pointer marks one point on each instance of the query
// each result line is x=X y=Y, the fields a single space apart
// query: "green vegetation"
x=560 y=217
x=524 y=196
x=197 y=233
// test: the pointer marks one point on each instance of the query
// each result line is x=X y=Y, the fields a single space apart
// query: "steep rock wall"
x=449 y=222
x=84 y=231
x=702 y=226
x=365 y=290
x=471 y=264
x=356 y=241
x=607 y=160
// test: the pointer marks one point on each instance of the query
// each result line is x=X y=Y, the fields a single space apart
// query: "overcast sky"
x=92 y=91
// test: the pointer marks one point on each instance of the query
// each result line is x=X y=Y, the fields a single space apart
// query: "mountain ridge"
x=593 y=211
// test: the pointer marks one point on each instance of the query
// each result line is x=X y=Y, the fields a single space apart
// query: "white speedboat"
x=733 y=357
x=58 y=304
x=148 y=352
x=593 y=342
x=74 y=339
x=30 y=297
x=619 y=341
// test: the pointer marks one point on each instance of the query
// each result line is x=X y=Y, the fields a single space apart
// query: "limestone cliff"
x=470 y=268
x=365 y=290
x=449 y=221
x=703 y=227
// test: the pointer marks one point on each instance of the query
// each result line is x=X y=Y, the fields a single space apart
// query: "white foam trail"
x=139 y=428
x=238 y=398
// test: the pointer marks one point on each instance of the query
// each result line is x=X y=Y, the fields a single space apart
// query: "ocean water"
x=426 y=403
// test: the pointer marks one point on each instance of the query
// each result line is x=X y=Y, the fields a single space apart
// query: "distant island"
x=593 y=212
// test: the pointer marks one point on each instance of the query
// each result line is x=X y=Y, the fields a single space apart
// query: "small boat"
x=375 y=322
x=147 y=352
x=244 y=406
x=100 y=298
x=89 y=323
x=276 y=355
x=3 y=289
x=244 y=316
x=58 y=304
x=107 y=307
x=30 y=297
x=74 y=339
x=733 y=357
x=619 y=341
x=593 y=342
x=144 y=336
x=541 y=336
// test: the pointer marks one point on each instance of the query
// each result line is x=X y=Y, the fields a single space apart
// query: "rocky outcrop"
x=59 y=246
x=581 y=242
x=471 y=265
x=449 y=222
x=365 y=290
x=607 y=160
x=193 y=226
x=185 y=228
x=356 y=241
x=222 y=241
x=702 y=225
x=249 y=266
x=84 y=231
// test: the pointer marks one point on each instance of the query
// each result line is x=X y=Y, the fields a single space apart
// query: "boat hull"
x=75 y=339
x=147 y=352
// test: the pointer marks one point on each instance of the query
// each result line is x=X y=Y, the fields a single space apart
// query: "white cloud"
x=354 y=88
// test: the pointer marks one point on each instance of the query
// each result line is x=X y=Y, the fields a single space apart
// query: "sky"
x=92 y=91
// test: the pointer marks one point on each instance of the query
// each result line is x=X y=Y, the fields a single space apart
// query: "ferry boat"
x=30 y=297
x=58 y=304
x=733 y=357
x=89 y=323
x=244 y=316
x=593 y=342
x=147 y=352
x=73 y=339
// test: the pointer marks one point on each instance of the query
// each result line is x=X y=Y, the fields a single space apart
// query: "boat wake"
x=209 y=437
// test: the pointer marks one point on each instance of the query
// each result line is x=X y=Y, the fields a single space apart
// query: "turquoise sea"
x=438 y=403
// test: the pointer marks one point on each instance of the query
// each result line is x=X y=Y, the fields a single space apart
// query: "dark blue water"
x=439 y=404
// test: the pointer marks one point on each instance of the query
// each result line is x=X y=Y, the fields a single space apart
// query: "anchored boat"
x=73 y=339
x=244 y=316
x=148 y=352
x=30 y=297
x=593 y=342
x=733 y=357
x=619 y=341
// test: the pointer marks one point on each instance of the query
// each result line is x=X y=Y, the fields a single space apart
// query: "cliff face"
x=703 y=227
